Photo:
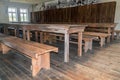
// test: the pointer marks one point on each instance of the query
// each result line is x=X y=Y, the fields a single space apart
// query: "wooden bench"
x=86 y=39
x=2 y=36
x=39 y=53
x=102 y=36
x=102 y=28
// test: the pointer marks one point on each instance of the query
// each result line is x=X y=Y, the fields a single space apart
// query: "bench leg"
x=28 y=35
x=117 y=34
x=102 y=42
x=15 y=33
x=45 y=37
x=5 y=49
x=43 y=61
x=35 y=66
x=86 y=46
x=108 y=39
x=41 y=37
x=36 y=36
x=90 y=45
x=0 y=47
x=24 y=34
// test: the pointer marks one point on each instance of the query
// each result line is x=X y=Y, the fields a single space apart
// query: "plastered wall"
x=4 y=9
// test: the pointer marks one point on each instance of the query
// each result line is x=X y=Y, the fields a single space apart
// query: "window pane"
x=23 y=15
x=13 y=10
x=9 y=10
x=10 y=17
x=12 y=13
x=21 y=10
x=14 y=17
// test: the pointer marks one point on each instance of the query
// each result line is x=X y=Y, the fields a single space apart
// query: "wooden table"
x=65 y=29
x=58 y=28
x=15 y=26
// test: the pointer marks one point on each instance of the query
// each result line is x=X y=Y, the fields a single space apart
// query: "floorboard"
x=99 y=64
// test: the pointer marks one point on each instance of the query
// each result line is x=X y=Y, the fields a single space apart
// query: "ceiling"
x=28 y=1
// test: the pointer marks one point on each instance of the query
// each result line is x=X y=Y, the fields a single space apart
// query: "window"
x=12 y=13
x=23 y=15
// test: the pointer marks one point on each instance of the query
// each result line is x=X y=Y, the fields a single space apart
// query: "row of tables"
x=65 y=29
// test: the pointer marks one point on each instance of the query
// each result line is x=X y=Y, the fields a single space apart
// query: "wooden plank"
x=97 y=34
x=94 y=13
x=5 y=49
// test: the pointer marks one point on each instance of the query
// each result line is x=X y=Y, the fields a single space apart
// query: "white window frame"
x=12 y=14
x=24 y=13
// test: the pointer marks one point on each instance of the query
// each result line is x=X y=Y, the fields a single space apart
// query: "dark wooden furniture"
x=102 y=28
x=93 y=13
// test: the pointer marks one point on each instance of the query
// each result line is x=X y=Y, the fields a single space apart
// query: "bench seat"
x=39 y=53
x=86 y=39
x=102 y=36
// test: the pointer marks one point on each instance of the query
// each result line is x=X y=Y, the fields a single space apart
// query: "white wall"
x=117 y=13
x=3 y=14
x=4 y=9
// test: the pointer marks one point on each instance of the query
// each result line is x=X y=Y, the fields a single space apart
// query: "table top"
x=57 y=28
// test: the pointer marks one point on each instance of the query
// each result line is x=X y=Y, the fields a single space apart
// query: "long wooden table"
x=58 y=28
x=65 y=29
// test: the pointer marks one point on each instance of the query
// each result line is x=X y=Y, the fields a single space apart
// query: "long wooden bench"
x=86 y=39
x=102 y=28
x=102 y=36
x=2 y=36
x=39 y=53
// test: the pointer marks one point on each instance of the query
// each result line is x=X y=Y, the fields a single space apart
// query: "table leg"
x=113 y=30
x=15 y=31
x=36 y=36
x=41 y=37
x=5 y=30
x=117 y=34
x=24 y=35
x=66 y=47
x=80 y=44
x=28 y=35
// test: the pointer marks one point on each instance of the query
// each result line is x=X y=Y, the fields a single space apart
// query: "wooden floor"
x=100 y=64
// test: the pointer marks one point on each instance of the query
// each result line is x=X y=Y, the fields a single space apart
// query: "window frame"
x=16 y=13
x=23 y=13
